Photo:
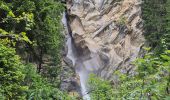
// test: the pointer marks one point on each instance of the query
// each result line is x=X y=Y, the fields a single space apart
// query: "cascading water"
x=79 y=67
x=84 y=64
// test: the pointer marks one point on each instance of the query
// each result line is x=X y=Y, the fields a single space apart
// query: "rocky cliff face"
x=107 y=36
x=110 y=29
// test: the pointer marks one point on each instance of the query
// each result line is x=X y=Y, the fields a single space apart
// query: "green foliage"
x=39 y=88
x=39 y=24
x=47 y=33
x=11 y=76
x=155 y=14
x=122 y=21
x=14 y=25
x=38 y=21
x=32 y=27
x=21 y=82
x=165 y=39
x=152 y=81
x=100 y=89
x=15 y=21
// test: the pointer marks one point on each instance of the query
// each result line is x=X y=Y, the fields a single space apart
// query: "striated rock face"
x=107 y=33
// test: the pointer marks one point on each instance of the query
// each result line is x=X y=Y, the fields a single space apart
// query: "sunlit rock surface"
x=109 y=29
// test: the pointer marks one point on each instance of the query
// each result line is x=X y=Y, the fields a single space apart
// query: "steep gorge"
x=85 y=50
x=107 y=36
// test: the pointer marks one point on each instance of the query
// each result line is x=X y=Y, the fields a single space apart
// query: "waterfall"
x=77 y=63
